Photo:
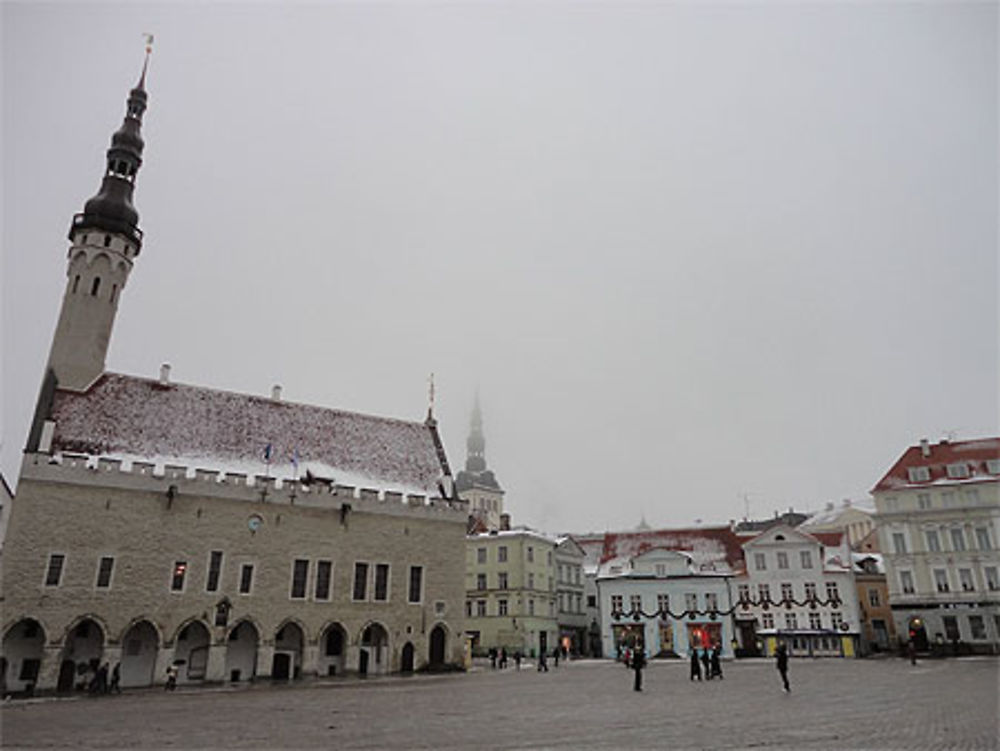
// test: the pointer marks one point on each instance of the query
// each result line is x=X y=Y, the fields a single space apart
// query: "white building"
x=570 y=603
x=938 y=514
x=800 y=589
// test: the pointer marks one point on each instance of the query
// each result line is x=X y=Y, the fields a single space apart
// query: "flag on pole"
x=267 y=453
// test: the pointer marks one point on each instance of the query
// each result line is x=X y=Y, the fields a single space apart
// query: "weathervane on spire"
x=145 y=63
x=430 y=397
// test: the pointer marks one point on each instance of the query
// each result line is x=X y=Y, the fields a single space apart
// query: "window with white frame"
x=661 y=570
x=782 y=559
x=990 y=574
x=178 y=576
x=711 y=601
x=786 y=591
x=898 y=542
x=764 y=592
x=806 y=557
x=958 y=471
x=760 y=562
x=941 y=580
x=480 y=555
x=832 y=593
x=918 y=474
x=977 y=627
x=874 y=598
x=810 y=588
x=933 y=543
x=663 y=603
x=743 y=592
x=906 y=582
x=481 y=582
x=983 y=538
x=616 y=603
x=501 y=607
x=635 y=603
x=815 y=622
x=923 y=501
x=480 y=608
x=416 y=584
x=246 y=578
x=965 y=580
x=767 y=620
x=836 y=619
x=791 y=622
x=691 y=601
x=993 y=466
x=957 y=540
x=360 y=591
x=502 y=554
x=502 y=580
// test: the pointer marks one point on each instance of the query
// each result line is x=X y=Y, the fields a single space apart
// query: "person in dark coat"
x=116 y=679
x=781 y=662
x=707 y=663
x=555 y=655
x=503 y=657
x=542 y=661
x=493 y=658
x=517 y=659
x=716 y=662
x=695 y=665
x=638 y=663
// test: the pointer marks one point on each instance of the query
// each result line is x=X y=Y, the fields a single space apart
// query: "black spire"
x=111 y=210
x=476 y=472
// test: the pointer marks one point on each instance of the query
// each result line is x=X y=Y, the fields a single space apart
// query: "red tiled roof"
x=829 y=539
x=124 y=415
x=715 y=542
x=973 y=453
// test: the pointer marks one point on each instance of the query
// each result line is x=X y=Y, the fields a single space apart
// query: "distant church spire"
x=475 y=445
x=106 y=240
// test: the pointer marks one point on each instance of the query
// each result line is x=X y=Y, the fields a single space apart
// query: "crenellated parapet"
x=178 y=479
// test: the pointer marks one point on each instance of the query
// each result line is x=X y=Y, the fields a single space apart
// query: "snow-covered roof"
x=137 y=418
x=936 y=457
x=834 y=511
x=860 y=558
x=708 y=546
x=517 y=532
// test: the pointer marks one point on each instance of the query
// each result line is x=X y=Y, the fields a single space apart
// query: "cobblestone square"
x=834 y=704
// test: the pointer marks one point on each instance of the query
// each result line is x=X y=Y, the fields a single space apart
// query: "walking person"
x=542 y=661
x=911 y=650
x=716 y=662
x=116 y=679
x=555 y=655
x=517 y=659
x=171 y=678
x=695 y=665
x=638 y=663
x=503 y=658
x=781 y=662
x=707 y=663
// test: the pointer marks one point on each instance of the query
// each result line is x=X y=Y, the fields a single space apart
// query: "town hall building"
x=233 y=536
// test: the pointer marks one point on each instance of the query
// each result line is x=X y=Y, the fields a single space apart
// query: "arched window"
x=95 y=286
x=107 y=241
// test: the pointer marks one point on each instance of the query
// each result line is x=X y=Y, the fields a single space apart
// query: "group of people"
x=100 y=683
x=711 y=659
x=498 y=658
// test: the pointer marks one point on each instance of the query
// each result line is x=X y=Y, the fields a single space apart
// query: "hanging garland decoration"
x=744 y=604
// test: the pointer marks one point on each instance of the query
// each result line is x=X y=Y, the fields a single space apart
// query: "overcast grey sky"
x=685 y=251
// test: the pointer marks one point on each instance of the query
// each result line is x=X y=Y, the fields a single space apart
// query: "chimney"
x=505 y=522
x=165 y=373
x=276 y=392
x=925 y=448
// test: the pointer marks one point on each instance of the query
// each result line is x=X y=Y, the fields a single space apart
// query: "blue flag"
x=267 y=453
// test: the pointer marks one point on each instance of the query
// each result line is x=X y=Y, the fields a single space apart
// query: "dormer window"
x=993 y=466
x=919 y=474
x=958 y=471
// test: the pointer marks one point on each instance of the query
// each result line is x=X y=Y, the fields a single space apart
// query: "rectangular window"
x=933 y=543
x=958 y=471
x=919 y=474
x=416 y=582
x=832 y=593
x=531 y=554
x=957 y=540
x=53 y=574
x=965 y=579
x=616 y=603
x=906 y=582
x=591 y=601
x=970 y=496
x=381 y=582
x=661 y=570
x=898 y=542
x=691 y=601
x=324 y=574
x=786 y=591
x=501 y=607
x=807 y=560
x=767 y=620
x=360 y=582
x=711 y=601
x=214 y=571
x=502 y=580
x=977 y=626
x=531 y=581
x=468 y=608
x=531 y=606
x=951 y=628
x=663 y=604
x=481 y=582
x=983 y=538
x=810 y=590
x=759 y=562
x=836 y=619
x=481 y=555
x=941 y=580
x=502 y=554
x=246 y=578
x=990 y=573
x=300 y=573
x=815 y=622
x=744 y=592
x=874 y=600
x=635 y=603
x=764 y=591
x=177 y=580
x=481 y=608
x=104 y=568
x=923 y=501
x=791 y=622
x=782 y=559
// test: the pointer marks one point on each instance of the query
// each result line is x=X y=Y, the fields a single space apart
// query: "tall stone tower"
x=477 y=484
x=105 y=241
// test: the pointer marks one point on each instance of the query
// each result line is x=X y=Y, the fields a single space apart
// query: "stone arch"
x=22 y=654
x=333 y=641
x=140 y=647
x=289 y=643
x=437 y=646
x=241 y=650
x=191 y=644
x=406 y=658
x=374 y=649
x=102 y=258
x=83 y=648
x=187 y=623
x=137 y=620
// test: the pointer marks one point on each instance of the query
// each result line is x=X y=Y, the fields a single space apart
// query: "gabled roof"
x=827 y=539
x=138 y=418
x=706 y=544
x=939 y=455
